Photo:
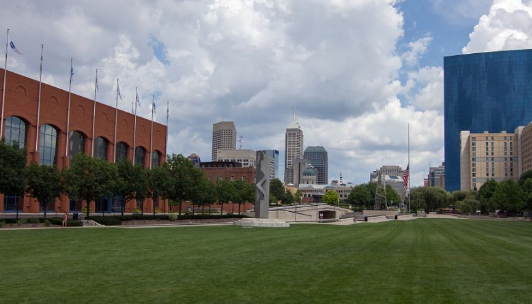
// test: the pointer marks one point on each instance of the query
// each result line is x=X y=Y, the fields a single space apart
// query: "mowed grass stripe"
x=421 y=261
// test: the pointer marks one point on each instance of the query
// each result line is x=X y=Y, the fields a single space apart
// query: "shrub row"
x=118 y=219
x=34 y=220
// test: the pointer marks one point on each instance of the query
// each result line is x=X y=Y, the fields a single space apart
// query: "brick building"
x=20 y=121
x=228 y=170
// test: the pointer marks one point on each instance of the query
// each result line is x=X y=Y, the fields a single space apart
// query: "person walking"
x=65 y=219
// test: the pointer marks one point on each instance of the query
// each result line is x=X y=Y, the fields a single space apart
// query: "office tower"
x=485 y=156
x=484 y=92
x=317 y=155
x=274 y=165
x=293 y=149
x=223 y=137
x=244 y=156
x=436 y=177
x=298 y=166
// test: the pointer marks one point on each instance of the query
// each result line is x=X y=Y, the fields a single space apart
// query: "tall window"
x=48 y=145
x=155 y=159
x=121 y=151
x=100 y=148
x=76 y=144
x=140 y=155
x=15 y=131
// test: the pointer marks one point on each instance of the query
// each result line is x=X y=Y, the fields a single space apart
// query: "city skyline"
x=356 y=87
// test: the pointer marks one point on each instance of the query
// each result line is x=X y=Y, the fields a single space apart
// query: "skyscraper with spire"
x=293 y=148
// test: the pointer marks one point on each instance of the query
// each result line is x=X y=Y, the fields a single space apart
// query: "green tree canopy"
x=298 y=197
x=12 y=169
x=331 y=197
x=361 y=196
x=277 y=189
x=485 y=196
x=160 y=181
x=44 y=183
x=90 y=179
x=185 y=178
x=226 y=192
x=509 y=196
x=428 y=198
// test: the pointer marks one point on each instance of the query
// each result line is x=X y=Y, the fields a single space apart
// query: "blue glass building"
x=484 y=92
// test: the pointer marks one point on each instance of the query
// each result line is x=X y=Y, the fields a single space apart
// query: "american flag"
x=405 y=177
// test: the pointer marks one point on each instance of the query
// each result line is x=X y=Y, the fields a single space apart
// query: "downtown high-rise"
x=485 y=92
x=293 y=149
x=223 y=137
x=318 y=158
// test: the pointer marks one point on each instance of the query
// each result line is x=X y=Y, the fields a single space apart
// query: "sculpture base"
x=266 y=223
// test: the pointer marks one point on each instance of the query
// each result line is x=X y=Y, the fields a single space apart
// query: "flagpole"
x=167 y=114
x=135 y=124
x=409 y=168
x=4 y=90
x=39 y=101
x=116 y=118
x=68 y=109
x=94 y=112
x=151 y=129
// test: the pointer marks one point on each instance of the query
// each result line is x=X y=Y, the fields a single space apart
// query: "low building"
x=244 y=156
x=230 y=171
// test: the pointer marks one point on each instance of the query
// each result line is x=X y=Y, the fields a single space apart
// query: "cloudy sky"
x=357 y=71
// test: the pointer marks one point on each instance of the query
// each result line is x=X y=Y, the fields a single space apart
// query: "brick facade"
x=21 y=101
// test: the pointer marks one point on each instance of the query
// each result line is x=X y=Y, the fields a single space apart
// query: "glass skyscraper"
x=484 y=92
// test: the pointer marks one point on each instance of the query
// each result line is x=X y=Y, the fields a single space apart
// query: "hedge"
x=114 y=220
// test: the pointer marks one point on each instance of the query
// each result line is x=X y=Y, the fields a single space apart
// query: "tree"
x=244 y=192
x=226 y=192
x=527 y=188
x=140 y=184
x=185 y=178
x=288 y=197
x=124 y=184
x=331 y=197
x=91 y=179
x=509 y=196
x=12 y=168
x=392 y=197
x=485 y=195
x=205 y=194
x=525 y=176
x=44 y=183
x=298 y=197
x=360 y=196
x=428 y=198
x=160 y=181
x=277 y=189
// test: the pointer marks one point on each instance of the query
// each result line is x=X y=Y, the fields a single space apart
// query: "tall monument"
x=262 y=191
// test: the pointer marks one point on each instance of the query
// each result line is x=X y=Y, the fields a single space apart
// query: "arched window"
x=48 y=145
x=140 y=156
x=15 y=131
x=77 y=144
x=155 y=159
x=100 y=148
x=121 y=151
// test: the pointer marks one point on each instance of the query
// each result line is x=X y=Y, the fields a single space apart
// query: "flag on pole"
x=137 y=98
x=96 y=83
x=154 y=107
x=71 y=73
x=118 y=90
x=405 y=178
x=13 y=47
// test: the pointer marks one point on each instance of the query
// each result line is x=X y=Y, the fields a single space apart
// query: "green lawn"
x=421 y=261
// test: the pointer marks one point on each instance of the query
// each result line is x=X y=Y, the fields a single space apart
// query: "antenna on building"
x=240 y=142
x=294 y=113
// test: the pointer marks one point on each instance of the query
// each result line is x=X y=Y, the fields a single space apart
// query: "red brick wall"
x=21 y=101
